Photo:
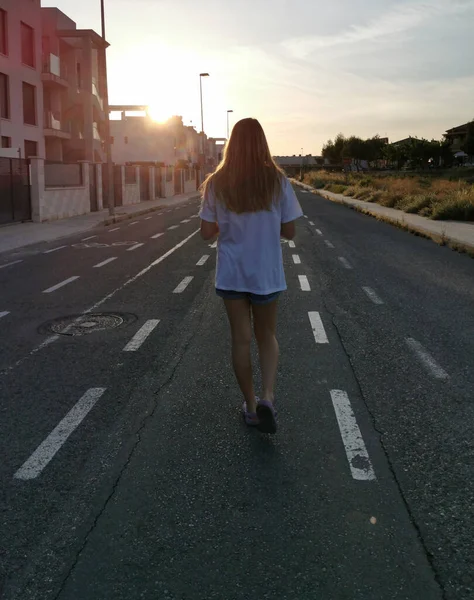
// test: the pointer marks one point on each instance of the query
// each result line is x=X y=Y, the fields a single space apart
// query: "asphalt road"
x=126 y=469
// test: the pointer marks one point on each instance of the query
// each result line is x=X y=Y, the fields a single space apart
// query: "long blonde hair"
x=248 y=179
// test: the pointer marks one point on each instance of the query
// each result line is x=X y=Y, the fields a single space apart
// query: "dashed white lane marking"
x=4 y=313
x=296 y=259
x=311 y=223
x=426 y=359
x=345 y=262
x=88 y=238
x=185 y=221
x=173 y=227
x=105 y=262
x=328 y=244
x=183 y=285
x=202 y=260
x=356 y=452
x=319 y=232
x=135 y=247
x=147 y=218
x=54 y=249
x=317 y=326
x=214 y=245
x=141 y=335
x=305 y=216
x=291 y=244
x=53 y=338
x=60 y=285
x=15 y=262
x=114 y=229
x=157 y=235
x=304 y=283
x=133 y=223
x=47 y=449
x=372 y=295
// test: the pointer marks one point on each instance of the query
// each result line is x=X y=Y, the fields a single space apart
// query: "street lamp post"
x=201 y=75
x=108 y=148
x=229 y=111
x=301 y=168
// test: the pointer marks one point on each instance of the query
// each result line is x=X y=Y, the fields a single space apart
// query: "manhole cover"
x=73 y=325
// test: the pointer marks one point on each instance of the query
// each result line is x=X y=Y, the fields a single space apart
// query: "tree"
x=333 y=150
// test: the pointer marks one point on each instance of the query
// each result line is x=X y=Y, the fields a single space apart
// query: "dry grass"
x=433 y=197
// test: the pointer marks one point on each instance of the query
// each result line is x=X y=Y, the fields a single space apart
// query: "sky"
x=307 y=69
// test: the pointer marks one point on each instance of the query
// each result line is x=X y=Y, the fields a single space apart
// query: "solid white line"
x=319 y=232
x=114 y=229
x=296 y=259
x=135 y=247
x=133 y=223
x=291 y=244
x=317 y=326
x=426 y=359
x=141 y=335
x=183 y=285
x=157 y=235
x=304 y=283
x=173 y=227
x=202 y=260
x=54 y=249
x=185 y=221
x=311 y=223
x=88 y=238
x=328 y=244
x=99 y=303
x=4 y=313
x=372 y=295
x=345 y=262
x=356 y=452
x=15 y=262
x=47 y=449
x=105 y=262
x=60 y=285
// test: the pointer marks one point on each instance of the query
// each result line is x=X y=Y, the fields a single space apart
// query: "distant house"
x=457 y=137
x=402 y=142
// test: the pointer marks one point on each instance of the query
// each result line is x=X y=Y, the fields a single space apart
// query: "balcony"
x=52 y=73
x=95 y=92
x=53 y=126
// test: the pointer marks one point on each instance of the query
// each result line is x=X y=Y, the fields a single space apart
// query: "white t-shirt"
x=249 y=255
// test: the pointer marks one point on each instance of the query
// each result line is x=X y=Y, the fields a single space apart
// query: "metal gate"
x=93 y=186
x=15 y=198
x=144 y=183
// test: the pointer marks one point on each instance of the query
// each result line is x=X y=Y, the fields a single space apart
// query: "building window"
x=31 y=148
x=27 y=45
x=4 y=97
x=3 y=32
x=29 y=104
x=6 y=142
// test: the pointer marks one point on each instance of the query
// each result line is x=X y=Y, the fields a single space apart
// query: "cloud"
x=395 y=21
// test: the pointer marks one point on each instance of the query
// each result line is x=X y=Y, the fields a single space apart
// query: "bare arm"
x=208 y=230
x=288 y=230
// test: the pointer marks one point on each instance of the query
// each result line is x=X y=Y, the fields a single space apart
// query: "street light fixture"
x=229 y=111
x=108 y=148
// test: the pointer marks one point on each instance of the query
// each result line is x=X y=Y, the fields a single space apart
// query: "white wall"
x=147 y=141
x=28 y=11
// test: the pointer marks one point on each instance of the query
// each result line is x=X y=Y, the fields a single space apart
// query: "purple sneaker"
x=250 y=418
x=266 y=415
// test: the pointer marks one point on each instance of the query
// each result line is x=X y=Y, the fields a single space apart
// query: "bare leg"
x=238 y=312
x=265 y=317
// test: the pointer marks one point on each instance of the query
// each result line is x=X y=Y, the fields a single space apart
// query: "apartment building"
x=21 y=98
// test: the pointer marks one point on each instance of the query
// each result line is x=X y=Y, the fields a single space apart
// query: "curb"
x=440 y=239
x=145 y=211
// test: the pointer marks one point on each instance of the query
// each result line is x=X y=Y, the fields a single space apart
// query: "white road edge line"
x=157 y=235
x=105 y=262
x=139 y=245
x=60 y=285
x=54 y=249
x=291 y=244
x=15 y=262
x=296 y=259
x=99 y=303
x=345 y=262
x=202 y=260
x=4 y=313
x=183 y=285
x=141 y=335
x=426 y=359
x=372 y=295
x=304 y=283
x=88 y=238
x=47 y=449
x=317 y=326
x=356 y=452
x=328 y=244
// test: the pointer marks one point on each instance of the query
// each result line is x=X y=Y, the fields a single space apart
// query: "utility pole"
x=229 y=111
x=108 y=148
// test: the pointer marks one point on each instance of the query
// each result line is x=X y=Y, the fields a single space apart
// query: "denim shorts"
x=253 y=298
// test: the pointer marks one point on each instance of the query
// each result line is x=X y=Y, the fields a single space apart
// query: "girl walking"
x=249 y=203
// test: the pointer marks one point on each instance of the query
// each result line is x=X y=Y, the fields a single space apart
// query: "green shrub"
x=336 y=188
x=420 y=202
x=459 y=207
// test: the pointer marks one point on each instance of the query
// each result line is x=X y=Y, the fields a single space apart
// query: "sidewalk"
x=455 y=234
x=19 y=235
